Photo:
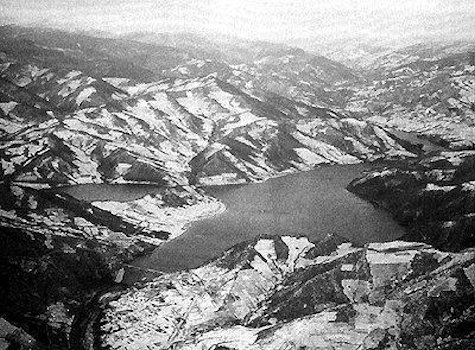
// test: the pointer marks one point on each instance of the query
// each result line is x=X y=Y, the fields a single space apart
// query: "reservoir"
x=110 y=192
x=313 y=203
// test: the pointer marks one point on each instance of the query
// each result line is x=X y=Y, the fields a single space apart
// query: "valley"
x=200 y=194
x=314 y=204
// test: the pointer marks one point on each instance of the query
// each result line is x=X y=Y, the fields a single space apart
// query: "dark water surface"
x=313 y=203
x=110 y=192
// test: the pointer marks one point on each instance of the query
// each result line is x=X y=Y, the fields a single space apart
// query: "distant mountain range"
x=182 y=111
x=203 y=120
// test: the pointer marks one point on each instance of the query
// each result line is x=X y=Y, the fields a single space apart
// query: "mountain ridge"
x=76 y=110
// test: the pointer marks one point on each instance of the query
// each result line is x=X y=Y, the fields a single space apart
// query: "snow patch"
x=7 y=107
x=84 y=95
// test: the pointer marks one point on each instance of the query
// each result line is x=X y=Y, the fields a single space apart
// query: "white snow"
x=434 y=187
x=151 y=214
x=309 y=157
x=69 y=88
x=69 y=76
x=468 y=186
x=84 y=95
x=243 y=120
x=7 y=107
x=222 y=179
x=10 y=127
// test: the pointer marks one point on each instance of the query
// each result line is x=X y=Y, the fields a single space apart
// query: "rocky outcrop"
x=287 y=292
x=434 y=197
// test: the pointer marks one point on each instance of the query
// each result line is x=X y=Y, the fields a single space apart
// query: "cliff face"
x=287 y=292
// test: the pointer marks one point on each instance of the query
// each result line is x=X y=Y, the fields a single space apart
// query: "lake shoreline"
x=345 y=201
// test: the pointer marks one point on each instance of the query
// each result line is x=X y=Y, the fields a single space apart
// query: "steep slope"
x=434 y=197
x=250 y=139
x=116 y=130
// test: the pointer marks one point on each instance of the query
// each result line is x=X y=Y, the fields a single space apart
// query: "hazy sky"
x=276 y=20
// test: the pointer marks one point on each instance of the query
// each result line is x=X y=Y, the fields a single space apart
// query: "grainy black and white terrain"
x=107 y=146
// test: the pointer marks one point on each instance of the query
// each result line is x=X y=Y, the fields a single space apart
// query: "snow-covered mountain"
x=181 y=112
x=198 y=129
x=432 y=196
x=289 y=293
x=426 y=89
